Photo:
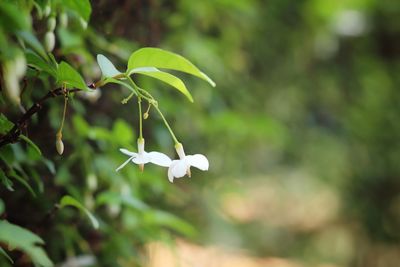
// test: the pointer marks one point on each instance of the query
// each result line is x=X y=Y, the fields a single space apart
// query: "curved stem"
x=167 y=125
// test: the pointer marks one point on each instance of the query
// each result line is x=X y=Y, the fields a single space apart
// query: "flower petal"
x=159 y=159
x=141 y=159
x=199 y=161
x=180 y=168
x=170 y=174
x=127 y=152
x=123 y=164
x=177 y=169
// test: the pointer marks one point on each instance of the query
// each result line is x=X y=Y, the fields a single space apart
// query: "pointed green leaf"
x=31 y=143
x=159 y=58
x=69 y=76
x=70 y=201
x=165 y=77
x=18 y=237
x=39 y=63
x=107 y=68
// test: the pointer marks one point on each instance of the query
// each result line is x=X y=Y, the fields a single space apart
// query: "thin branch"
x=12 y=135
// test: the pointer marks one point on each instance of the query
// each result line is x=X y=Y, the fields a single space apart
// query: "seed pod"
x=63 y=20
x=51 y=24
x=49 y=41
x=145 y=115
x=59 y=146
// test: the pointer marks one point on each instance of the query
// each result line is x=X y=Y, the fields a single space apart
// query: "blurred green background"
x=302 y=133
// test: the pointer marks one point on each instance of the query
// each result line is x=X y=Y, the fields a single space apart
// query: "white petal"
x=199 y=161
x=179 y=169
x=159 y=159
x=127 y=152
x=123 y=164
x=141 y=159
x=170 y=175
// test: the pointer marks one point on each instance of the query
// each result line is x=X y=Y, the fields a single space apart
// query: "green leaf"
x=18 y=237
x=69 y=76
x=82 y=7
x=33 y=42
x=12 y=16
x=70 y=201
x=5 y=181
x=165 y=77
x=107 y=68
x=112 y=80
x=5 y=124
x=31 y=143
x=159 y=58
x=4 y=253
x=20 y=179
x=39 y=63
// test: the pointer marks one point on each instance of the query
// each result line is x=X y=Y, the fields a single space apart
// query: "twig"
x=12 y=135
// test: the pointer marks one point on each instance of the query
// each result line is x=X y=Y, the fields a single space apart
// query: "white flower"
x=143 y=157
x=179 y=168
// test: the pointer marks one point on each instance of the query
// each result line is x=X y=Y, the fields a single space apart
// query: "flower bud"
x=83 y=23
x=46 y=10
x=59 y=143
x=49 y=41
x=63 y=20
x=51 y=24
x=13 y=71
x=145 y=115
x=92 y=181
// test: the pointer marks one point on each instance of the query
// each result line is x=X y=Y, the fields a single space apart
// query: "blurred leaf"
x=33 y=42
x=165 y=77
x=5 y=181
x=31 y=143
x=81 y=7
x=12 y=16
x=159 y=58
x=4 y=253
x=70 y=201
x=22 y=181
x=68 y=75
x=107 y=68
x=109 y=197
x=167 y=219
x=122 y=132
x=81 y=126
x=18 y=237
x=5 y=124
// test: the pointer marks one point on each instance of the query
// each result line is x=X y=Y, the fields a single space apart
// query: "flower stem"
x=140 y=118
x=64 y=113
x=141 y=93
x=167 y=125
